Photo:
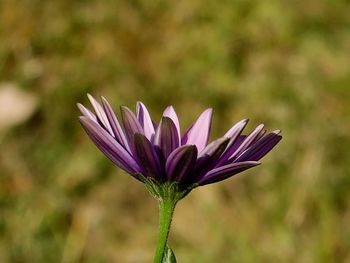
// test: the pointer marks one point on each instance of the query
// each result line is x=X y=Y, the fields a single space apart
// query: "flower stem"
x=166 y=211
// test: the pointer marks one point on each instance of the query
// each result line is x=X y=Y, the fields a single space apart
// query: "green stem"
x=166 y=211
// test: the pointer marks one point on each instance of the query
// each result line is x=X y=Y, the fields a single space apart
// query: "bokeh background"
x=284 y=63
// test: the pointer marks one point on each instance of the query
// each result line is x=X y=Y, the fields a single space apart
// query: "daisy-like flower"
x=160 y=155
x=141 y=147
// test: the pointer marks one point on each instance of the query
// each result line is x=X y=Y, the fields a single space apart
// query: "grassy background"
x=284 y=63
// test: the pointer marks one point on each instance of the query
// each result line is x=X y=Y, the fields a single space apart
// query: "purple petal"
x=236 y=129
x=248 y=141
x=145 y=120
x=230 y=150
x=181 y=162
x=166 y=137
x=117 y=129
x=102 y=117
x=199 y=133
x=155 y=125
x=226 y=171
x=261 y=148
x=109 y=146
x=234 y=134
x=259 y=136
x=215 y=148
x=170 y=112
x=208 y=158
x=131 y=124
x=86 y=112
x=147 y=157
x=185 y=136
x=235 y=140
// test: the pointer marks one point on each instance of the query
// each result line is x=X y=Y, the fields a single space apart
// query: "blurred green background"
x=284 y=63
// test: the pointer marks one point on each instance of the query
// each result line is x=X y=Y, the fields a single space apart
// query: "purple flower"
x=160 y=152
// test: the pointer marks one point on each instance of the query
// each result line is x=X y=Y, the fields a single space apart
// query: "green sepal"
x=169 y=256
x=166 y=190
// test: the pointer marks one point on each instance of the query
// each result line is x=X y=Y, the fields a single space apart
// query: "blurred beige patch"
x=16 y=105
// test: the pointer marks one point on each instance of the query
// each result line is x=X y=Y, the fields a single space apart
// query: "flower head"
x=162 y=154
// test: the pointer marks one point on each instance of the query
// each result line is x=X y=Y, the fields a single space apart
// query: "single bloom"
x=162 y=153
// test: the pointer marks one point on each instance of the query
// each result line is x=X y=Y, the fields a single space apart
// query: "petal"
x=214 y=148
x=131 y=124
x=260 y=135
x=86 y=112
x=234 y=134
x=236 y=129
x=145 y=120
x=113 y=121
x=102 y=117
x=166 y=137
x=185 y=136
x=261 y=148
x=226 y=171
x=181 y=162
x=147 y=157
x=230 y=150
x=170 y=112
x=208 y=158
x=109 y=146
x=248 y=141
x=235 y=140
x=199 y=134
